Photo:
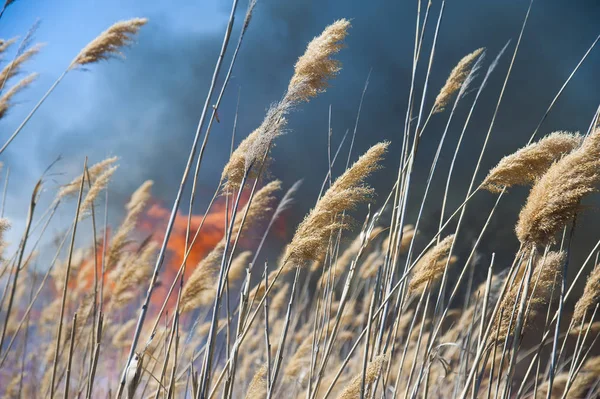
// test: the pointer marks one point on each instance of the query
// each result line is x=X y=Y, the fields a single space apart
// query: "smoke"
x=145 y=109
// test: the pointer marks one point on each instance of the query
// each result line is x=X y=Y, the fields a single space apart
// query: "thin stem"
x=66 y=285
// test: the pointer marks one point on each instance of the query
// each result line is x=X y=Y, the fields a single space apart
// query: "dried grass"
x=109 y=43
x=456 y=79
x=555 y=197
x=312 y=235
x=530 y=163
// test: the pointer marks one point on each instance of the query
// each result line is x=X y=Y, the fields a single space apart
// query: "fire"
x=211 y=233
x=152 y=224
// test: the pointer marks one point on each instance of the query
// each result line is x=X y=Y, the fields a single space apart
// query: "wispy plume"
x=311 y=237
x=546 y=273
x=529 y=163
x=94 y=172
x=5 y=99
x=314 y=69
x=5 y=44
x=432 y=264
x=14 y=67
x=258 y=386
x=555 y=197
x=239 y=265
x=99 y=185
x=135 y=270
x=455 y=81
x=589 y=298
x=109 y=43
x=311 y=74
x=134 y=208
x=374 y=368
x=200 y=286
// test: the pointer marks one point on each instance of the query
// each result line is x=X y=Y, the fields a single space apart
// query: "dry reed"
x=547 y=271
x=109 y=43
x=5 y=99
x=529 y=163
x=199 y=288
x=311 y=74
x=456 y=79
x=311 y=237
x=555 y=197
x=589 y=298
x=352 y=391
x=431 y=265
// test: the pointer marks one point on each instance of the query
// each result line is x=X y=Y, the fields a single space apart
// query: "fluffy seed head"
x=589 y=298
x=374 y=368
x=134 y=208
x=555 y=197
x=529 y=163
x=94 y=172
x=238 y=266
x=316 y=67
x=546 y=273
x=5 y=44
x=109 y=43
x=408 y=232
x=98 y=186
x=311 y=74
x=258 y=385
x=455 y=80
x=347 y=192
x=198 y=289
x=346 y=258
x=432 y=264
x=14 y=67
x=136 y=270
x=5 y=100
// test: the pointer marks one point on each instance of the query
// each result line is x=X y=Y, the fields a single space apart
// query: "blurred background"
x=145 y=108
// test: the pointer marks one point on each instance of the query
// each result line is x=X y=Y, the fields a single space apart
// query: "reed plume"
x=238 y=266
x=4 y=227
x=316 y=67
x=311 y=74
x=136 y=270
x=589 y=298
x=5 y=99
x=199 y=287
x=586 y=378
x=134 y=208
x=258 y=385
x=279 y=300
x=579 y=384
x=99 y=185
x=346 y=258
x=109 y=43
x=456 y=79
x=374 y=368
x=5 y=44
x=529 y=163
x=408 y=232
x=14 y=67
x=311 y=237
x=555 y=197
x=370 y=265
x=547 y=271
x=120 y=337
x=431 y=266
x=93 y=172
x=296 y=368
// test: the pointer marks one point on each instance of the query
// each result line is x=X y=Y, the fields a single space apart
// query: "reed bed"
x=358 y=305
